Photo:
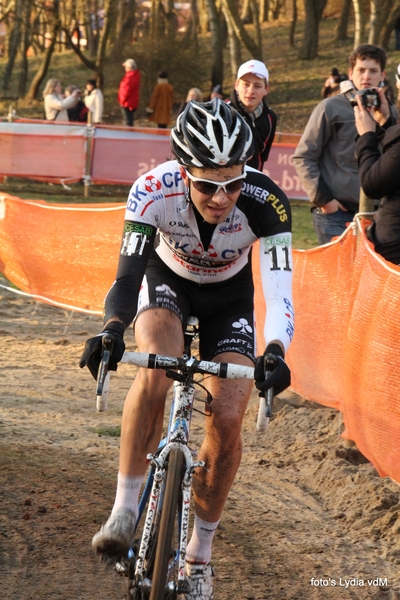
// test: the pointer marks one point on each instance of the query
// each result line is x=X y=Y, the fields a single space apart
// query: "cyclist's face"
x=366 y=74
x=213 y=208
x=251 y=90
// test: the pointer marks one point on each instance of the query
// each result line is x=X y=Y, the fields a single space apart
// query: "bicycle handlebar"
x=157 y=361
x=191 y=365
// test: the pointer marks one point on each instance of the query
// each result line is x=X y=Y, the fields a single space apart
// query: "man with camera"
x=325 y=156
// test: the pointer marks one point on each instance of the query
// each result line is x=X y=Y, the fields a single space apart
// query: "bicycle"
x=155 y=563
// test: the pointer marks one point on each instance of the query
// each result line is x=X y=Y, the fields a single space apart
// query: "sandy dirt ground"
x=307 y=518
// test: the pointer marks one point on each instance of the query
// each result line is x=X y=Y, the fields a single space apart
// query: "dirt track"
x=303 y=505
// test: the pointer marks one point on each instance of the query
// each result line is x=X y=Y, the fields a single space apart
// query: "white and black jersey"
x=159 y=219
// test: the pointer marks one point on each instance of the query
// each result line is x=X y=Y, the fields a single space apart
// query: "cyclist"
x=189 y=228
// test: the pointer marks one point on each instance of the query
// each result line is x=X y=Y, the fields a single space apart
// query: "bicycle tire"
x=167 y=523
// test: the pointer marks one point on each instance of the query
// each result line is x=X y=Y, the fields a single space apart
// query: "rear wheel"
x=166 y=553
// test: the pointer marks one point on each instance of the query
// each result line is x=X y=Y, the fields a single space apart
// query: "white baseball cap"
x=253 y=66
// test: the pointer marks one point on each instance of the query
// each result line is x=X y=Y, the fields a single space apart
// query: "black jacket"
x=379 y=175
x=263 y=128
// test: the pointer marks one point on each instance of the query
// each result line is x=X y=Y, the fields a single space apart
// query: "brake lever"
x=269 y=365
x=107 y=346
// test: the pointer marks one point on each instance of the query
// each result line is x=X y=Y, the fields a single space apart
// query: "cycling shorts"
x=225 y=310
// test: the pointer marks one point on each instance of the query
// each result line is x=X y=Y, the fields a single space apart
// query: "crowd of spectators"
x=328 y=159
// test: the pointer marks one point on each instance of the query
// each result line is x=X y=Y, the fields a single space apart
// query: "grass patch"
x=108 y=431
x=304 y=235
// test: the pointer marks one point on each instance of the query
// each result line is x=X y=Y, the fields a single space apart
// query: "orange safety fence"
x=63 y=254
x=346 y=347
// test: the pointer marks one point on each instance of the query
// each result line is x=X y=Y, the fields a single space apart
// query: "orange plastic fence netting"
x=346 y=347
x=63 y=254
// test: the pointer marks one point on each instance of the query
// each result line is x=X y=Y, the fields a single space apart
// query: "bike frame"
x=178 y=437
x=182 y=370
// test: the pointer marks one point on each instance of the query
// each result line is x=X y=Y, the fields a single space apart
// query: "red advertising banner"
x=105 y=154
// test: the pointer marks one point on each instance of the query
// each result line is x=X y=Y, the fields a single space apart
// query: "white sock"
x=127 y=496
x=199 y=548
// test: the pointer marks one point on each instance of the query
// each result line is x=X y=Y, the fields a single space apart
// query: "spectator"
x=79 y=112
x=332 y=84
x=193 y=94
x=325 y=156
x=55 y=103
x=379 y=174
x=161 y=102
x=216 y=92
x=248 y=98
x=94 y=100
x=128 y=91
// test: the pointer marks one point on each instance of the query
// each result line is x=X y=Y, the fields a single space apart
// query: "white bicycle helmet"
x=211 y=135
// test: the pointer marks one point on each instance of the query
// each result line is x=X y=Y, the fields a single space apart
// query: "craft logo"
x=152 y=184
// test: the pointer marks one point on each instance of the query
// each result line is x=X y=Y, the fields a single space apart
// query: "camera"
x=369 y=97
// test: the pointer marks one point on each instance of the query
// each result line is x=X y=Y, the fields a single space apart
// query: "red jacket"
x=128 y=91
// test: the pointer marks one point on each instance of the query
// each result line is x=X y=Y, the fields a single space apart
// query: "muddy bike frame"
x=159 y=573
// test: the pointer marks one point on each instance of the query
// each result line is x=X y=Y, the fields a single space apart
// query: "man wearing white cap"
x=128 y=91
x=248 y=98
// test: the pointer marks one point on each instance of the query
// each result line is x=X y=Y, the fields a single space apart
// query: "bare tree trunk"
x=42 y=72
x=264 y=8
x=341 y=30
x=245 y=14
x=110 y=10
x=234 y=47
x=26 y=41
x=293 y=23
x=380 y=15
x=256 y=23
x=232 y=8
x=389 y=25
x=217 y=69
x=203 y=13
x=275 y=7
x=314 y=10
x=124 y=33
x=359 y=17
x=156 y=24
x=170 y=19
x=374 y=21
x=194 y=24
x=15 y=39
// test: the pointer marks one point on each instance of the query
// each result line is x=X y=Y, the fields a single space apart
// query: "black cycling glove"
x=91 y=355
x=279 y=378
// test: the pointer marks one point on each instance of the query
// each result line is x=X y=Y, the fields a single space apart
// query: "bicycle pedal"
x=122 y=568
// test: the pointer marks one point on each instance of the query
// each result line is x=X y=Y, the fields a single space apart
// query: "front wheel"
x=166 y=554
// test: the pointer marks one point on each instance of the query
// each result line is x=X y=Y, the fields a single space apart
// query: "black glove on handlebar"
x=279 y=378
x=91 y=355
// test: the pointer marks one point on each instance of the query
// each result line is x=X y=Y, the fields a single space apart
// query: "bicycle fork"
x=179 y=426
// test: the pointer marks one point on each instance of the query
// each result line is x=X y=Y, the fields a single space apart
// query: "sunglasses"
x=210 y=188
